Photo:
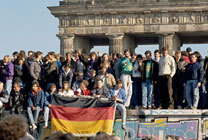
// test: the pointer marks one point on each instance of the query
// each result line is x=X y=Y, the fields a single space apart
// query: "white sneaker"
x=34 y=126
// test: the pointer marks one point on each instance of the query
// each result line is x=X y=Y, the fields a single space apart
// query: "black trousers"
x=166 y=92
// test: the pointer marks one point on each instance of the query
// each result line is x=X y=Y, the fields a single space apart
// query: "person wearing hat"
x=189 y=50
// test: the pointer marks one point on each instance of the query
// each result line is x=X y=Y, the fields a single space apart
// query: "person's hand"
x=33 y=108
x=41 y=109
x=79 y=51
x=49 y=105
x=184 y=84
x=199 y=84
x=98 y=53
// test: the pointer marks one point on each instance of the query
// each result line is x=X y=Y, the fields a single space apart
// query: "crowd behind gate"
x=153 y=80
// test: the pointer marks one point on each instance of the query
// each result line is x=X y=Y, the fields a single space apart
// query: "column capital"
x=115 y=36
x=63 y=36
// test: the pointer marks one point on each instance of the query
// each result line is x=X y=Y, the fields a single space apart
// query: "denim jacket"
x=121 y=94
x=36 y=99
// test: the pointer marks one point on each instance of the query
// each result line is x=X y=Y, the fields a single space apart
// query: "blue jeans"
x=147 y=88
x=8 y=86
x=46 y=115
x=33 y=115
x=137 y=91
x=203 y=96
x=192 y=93
x=122 y=109
x=127 y=86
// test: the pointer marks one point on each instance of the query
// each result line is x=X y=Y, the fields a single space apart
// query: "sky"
x=28 y=25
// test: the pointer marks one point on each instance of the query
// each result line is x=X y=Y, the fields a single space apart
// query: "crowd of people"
x=135 y=81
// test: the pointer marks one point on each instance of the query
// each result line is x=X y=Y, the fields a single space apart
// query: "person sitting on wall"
x=100 y=91
x=118 y=94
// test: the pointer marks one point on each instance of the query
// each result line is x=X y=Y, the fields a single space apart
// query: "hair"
x=133 y=54
x=148 y=52
x=126 y=50
x=53 y=85
x=37 y=54
x=15 y=53
x=139 y=56
x=52 y=53
x=9 y=58
x=92 y=72
x=157 y=51
x=13 y=127
x=67 y=53
x=164 y=49
x=35 y=83
x=20 y=58
x=67 y=65
x=1 y=83
x=104 y=54
x=61 y=136
x=30 y=52
x=184 y=53
x=66 y=82
x=17 y=83
x=85 y=82
x=118 y=81
x=99 y=79
x=22 y=53
x=80 y=73
x=93 y=53
x=177 y=52
x=102 y=136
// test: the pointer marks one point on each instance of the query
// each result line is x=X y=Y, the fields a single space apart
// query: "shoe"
x=45 y=127
x=123 y=126
x=188 y=107
x=179 y=107
x=143 y=108
x=194 y=108
x=137 y=107
x=34 y=126
x=150 y=107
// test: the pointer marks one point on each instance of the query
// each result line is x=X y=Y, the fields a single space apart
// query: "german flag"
x=82 y=116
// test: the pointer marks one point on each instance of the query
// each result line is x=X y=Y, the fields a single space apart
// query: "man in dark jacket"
x=65 y=74
x=150 y=72
x=35 y=103
x=100 y=91
x=193 y=78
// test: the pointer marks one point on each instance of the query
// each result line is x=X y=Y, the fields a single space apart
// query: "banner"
x=82 y=116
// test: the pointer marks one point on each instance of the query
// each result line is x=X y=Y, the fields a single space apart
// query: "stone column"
x=171 y=41
x=129 y=43
x=67 y=44
x=115 y=43
x=83 y=43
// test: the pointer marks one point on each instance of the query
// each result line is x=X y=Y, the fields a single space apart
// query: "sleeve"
x=42 y=99
x=46 y=102
x=60 y=80
x=201 y=73
x=70 y=77
x=5 y=99
x=30 y=103
x=124 y=98
x=172 y=67
x=17 y=71
x=32 y=69
x=10 y=73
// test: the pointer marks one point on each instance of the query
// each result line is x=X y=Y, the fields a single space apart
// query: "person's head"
x=38 y=55
x=99 y=83
x=35 y=86
x=178 y=55
x=7 y=59
x=93 y=55
x=118 y=83
x=133 y=57
x=53 y=88
x=193 y=58
x=148 y=55
x=57 y=56
x=157 y=54
x=15 y=55
x=105 y=57
x=66 y=85
x=1 y=86
x=164 y=51
x=13 y=127
x=16 y=87
x=30 y=53
x=80 y=76
x=58 y=135
x=67 y=67
x=189 y=50
x=92 y=73
x=115 y=56
x=22 y=54
x=139 y=58
x=51 y=55
x=198 y=55
x=20 y=60
x=68 y=56
x=84 y=84
x=127 y=53
x=103 y=69
x=102 y=136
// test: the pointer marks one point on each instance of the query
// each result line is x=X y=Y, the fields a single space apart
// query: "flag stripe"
x=82 y=128
x=81 y=102
x=82 y=114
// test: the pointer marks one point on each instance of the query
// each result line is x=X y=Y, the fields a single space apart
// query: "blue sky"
x=28 y=25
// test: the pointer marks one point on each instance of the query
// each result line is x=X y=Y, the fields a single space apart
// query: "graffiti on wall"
x=159 y=129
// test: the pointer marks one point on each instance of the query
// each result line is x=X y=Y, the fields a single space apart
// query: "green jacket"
x=125 y=68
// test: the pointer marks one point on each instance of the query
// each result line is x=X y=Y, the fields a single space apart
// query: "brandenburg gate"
x=122 y=24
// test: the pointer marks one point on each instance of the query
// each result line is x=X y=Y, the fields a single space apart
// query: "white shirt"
x=135 y=72
x=65 y=93
x=167 y=66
